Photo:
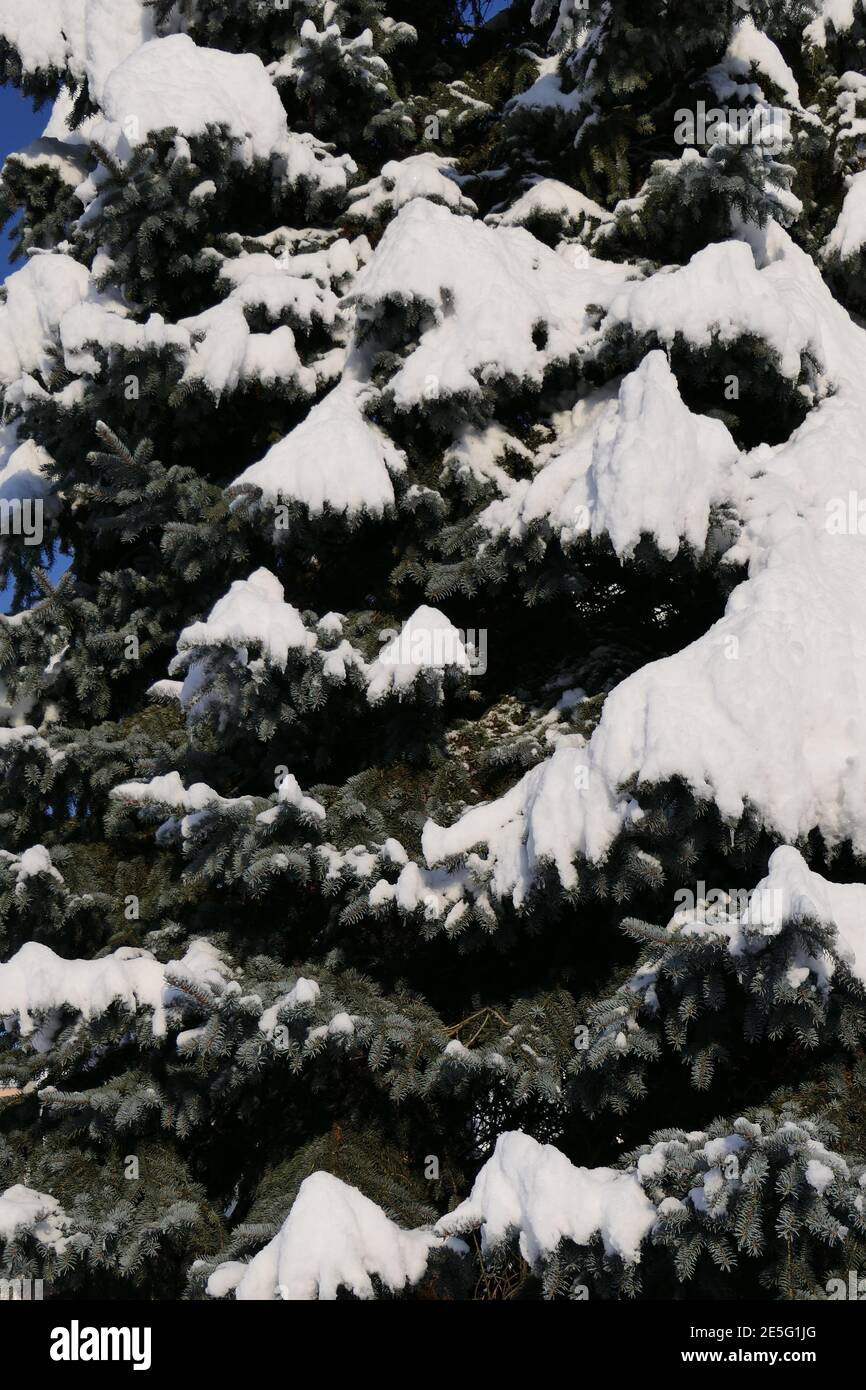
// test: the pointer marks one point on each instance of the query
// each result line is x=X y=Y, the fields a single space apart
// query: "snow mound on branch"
x=299 y=284
x=89 y=37
x=50 y=35
x=534 y=1190
x=640 y=465
x=168 y=792
x=722 y=294
x=402 y=180
x=64 y=151
x=219 y=349
x=333 y=1238
x=35 y=981
x=226 y=354
x=849 y=233
x=558 y=810
x=22 y=1209
x=66 y=160
x=546 y=94
x=30 y=863
x=22 y=467
x=253 y=613
x=837 y=14
x=742 y=715
x=37 y=298
x=335 y=458
x=289 y=794
x=426 y=642
x=550 y=198
x=303 y=994
x=113 y=29
x=502 y=304
x=171 y=83
x=749 y=48
x=791 y=891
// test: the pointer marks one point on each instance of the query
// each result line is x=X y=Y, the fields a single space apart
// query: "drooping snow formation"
x=428 y=641
x=253 y=613
x=36 y=983
x=642 y=465
x=532 y=1188
x=38 y=298
x=334 y=1239
x=335 y=459
x=487 y=290
x=792 y=891
x=89 y=37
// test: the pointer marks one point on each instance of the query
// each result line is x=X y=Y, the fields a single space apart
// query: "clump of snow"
x=289 y=794
x=548 y=198
x=851 y=93
x=171 y=83
x=848 y=235
x=253 y=613
x=37 y=982
x=167 y=792
x=475 y=451
x=22 y=1209
x=722 y=294
x=333 y=1238
x=640 y=465
x=37 y=298
x=401 y=180
x=545 y=95
x=819 y=1175
x=90 y=38
x=835 y=14
x=502 y=305
x=301 y=284
x=792 y=891
x=30 y=863
x=226 y=354
x=557 y=810
x=533 y=1189
x=751 y=48
x=437 y=893
x=427 y=641
x=66 y=152
x=302 y=994
x=23 y=467
x=113 y=29
x=218 y=346
x=50 y=36
x=335 y=458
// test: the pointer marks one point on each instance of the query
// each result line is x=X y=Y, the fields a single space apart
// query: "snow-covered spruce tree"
x=433 y=827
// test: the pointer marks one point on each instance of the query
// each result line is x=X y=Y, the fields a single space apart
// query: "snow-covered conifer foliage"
x=433 y=800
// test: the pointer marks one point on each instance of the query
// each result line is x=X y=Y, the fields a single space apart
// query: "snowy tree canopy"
x=432 y=822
